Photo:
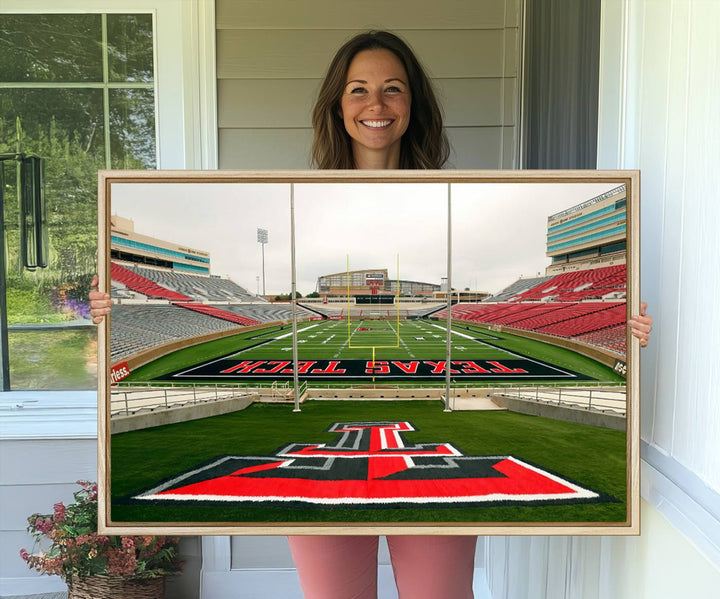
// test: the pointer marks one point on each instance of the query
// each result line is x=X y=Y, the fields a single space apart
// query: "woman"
x=377 y=110
x=346 y=137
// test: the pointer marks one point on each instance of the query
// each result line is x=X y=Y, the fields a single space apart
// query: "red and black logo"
x=369 y=463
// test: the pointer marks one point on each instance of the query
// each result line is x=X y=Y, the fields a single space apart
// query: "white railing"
x=605 y=399
x=146 y=396
x=173 y=385
x=125 y=403
x=302 y=388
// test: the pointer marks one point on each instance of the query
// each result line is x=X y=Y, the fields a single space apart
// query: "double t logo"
x=369 y=463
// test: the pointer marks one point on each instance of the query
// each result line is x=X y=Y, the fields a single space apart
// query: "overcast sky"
x=498 y=230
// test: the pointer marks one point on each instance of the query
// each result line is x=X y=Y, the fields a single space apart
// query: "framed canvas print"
x=369 y=352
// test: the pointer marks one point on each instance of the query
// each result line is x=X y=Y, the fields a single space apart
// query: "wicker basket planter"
x=116 y=587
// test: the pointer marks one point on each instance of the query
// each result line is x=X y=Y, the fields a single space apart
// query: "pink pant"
x=345 y=567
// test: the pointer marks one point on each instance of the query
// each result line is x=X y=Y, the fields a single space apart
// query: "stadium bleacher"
x=613 y=338
x=268 y=312
x=137 y=282
x=324 y=310
x=139 y=327
x=594 y=320
x=154 y=306
x=577 y=285
x=199 y=288
x=516 y=288
x=587 y=305
x=219 y=313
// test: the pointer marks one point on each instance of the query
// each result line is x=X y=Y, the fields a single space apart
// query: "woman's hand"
x=641 y=325
x=99 y=302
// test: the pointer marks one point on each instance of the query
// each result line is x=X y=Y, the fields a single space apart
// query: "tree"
x=66 y=127
x=285 y=297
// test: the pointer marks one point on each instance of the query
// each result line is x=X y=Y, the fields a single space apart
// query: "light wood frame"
x=631 y=526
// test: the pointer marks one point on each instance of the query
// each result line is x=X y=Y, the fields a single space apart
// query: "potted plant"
x=96 y=566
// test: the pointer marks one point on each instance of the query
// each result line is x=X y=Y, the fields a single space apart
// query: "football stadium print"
x=390 y=388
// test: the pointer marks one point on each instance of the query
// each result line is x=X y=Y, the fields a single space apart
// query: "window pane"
x=130 y=47
x=38 y=48
x=52 y=341
x=53 y=116
x=132 y=128
x=65 y=127
x=54 y=359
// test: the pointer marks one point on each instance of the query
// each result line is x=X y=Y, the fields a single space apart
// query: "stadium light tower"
x=262 y=237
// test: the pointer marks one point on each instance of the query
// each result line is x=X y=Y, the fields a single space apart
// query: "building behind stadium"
x=370 y=282
x=130 y=247
x=589 y=235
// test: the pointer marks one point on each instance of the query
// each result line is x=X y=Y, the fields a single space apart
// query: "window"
x=77 y=90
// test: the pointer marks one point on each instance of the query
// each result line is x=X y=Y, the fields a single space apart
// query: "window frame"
x=186 y=138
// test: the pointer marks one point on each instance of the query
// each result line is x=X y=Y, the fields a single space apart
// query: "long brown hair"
x=424 y=144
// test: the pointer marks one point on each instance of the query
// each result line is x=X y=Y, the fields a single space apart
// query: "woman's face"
x=375 y=105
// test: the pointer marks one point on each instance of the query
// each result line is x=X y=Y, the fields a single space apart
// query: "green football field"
x=592 y=457
x=406 y=352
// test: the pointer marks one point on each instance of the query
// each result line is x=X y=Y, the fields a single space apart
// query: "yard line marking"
x=466 y=336
x=546 y=364
x=339 y=351
x=312 y=326
x=406 y=348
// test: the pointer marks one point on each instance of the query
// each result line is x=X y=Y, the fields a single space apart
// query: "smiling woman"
x=364 y=105
x=375 y=108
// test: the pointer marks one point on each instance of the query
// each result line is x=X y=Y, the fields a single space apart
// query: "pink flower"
x=128 y=543
x=53 y=566
x=121 y=562
x=70 y=554
x=43 y=526
x=89 y=488
x=59 y=512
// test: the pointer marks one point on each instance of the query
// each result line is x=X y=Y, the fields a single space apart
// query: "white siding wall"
x=660 y=81
x=45 y=447
x=271 y=57
x=48 y=441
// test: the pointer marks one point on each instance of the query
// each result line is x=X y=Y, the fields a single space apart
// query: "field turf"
x=364 y=341
x=592 y=457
